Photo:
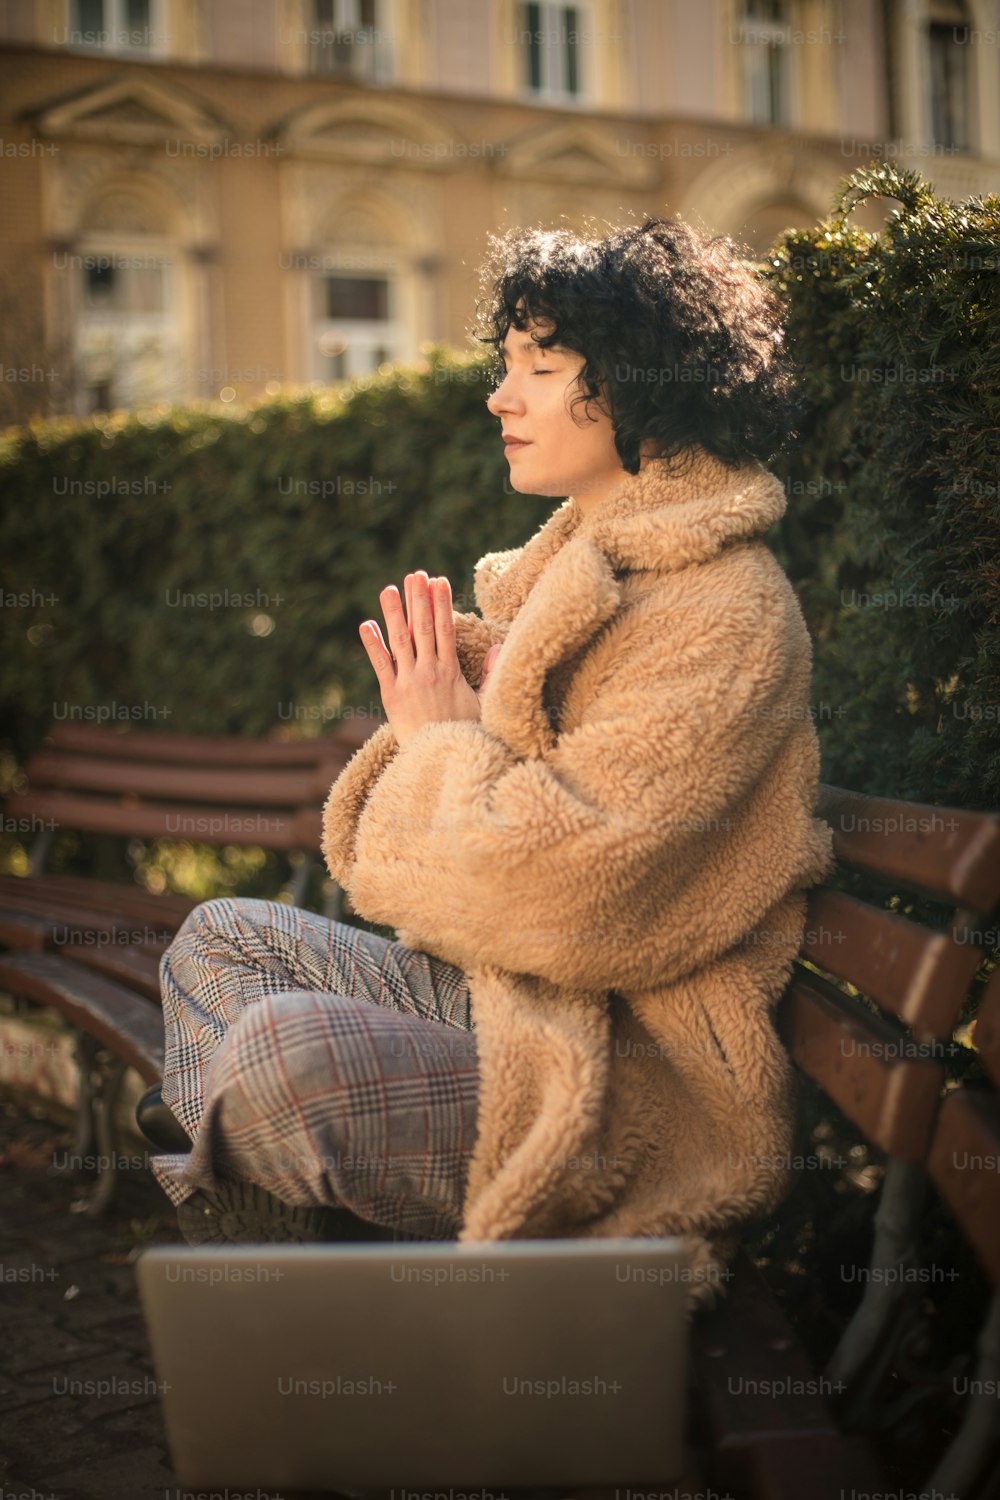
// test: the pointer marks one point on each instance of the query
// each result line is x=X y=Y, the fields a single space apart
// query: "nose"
x=503 y=398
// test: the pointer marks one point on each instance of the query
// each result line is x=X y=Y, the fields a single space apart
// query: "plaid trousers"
x=320 y=1061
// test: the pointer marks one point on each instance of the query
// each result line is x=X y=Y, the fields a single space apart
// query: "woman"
x=595 y=864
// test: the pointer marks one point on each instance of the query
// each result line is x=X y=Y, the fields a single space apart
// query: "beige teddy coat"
x=616 y=857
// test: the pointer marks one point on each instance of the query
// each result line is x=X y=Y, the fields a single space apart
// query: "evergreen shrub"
x=892 y=535
x=201 y=570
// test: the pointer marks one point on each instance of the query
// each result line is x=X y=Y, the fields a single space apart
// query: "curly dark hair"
x=682 y=339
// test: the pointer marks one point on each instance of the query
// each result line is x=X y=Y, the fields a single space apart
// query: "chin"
x=534 y=484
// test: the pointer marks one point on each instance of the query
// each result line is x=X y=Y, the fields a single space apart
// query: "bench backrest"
x=872 y=1029
x=213 y=790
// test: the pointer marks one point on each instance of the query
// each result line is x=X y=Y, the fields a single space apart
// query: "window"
x=948 y=42
x=356 y=329
x=123 y=284
x=550 y=38
x=124 y=27
x=124 y=350
x=345 y=40
x=764 y=35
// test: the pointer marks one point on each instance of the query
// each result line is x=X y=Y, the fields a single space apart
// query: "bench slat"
x=764 y=1405
x=74 y=924
x=215 y=750
x=80 y=890
x=131 y=1027
x=23 y=929
x=951 y=855
x=919 y=975
x=740 y=1350
x=137 y=969
x=879 y=1079
x=268 y=828
x=964 y=1163
x=816 y=1465
x=28 y=932
x=218 y=786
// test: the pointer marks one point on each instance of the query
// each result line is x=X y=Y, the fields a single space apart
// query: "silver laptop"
x=520 y=1363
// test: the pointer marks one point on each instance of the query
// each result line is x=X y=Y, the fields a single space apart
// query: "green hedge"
x=298 y=511
x=204 y=570
x=893 y=531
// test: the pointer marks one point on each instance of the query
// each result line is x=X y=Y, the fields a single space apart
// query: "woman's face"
x=551 y=449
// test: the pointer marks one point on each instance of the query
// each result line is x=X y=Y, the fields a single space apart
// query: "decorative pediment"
x=124 y=212
x=371 y=130
x=576 y=151
x=129 y=110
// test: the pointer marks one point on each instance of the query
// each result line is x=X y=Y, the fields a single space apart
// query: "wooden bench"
x=889 y=960
x=888 y=965
x=91 y=948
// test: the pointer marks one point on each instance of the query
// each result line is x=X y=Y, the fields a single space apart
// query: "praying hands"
x=420 y=678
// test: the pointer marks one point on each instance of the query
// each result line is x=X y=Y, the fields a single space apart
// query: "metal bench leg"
x=300 y=881
x=39 y=851
x=84 y=1055
x=100 y=1076
x=112 y=1076
x=333 y=906
x=887 y=1325
x=964 y=1469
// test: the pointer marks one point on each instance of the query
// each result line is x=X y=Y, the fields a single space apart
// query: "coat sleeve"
x=561 y=865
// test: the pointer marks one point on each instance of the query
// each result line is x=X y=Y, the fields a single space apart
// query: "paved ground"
x=79 y=1413
x=79 y=1405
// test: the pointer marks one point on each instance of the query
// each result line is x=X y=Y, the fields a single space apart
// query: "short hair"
x=682 y=339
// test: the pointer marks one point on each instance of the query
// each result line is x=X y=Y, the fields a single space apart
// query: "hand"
x=488 y=662
x=425 y=685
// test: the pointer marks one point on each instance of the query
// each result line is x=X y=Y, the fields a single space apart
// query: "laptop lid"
x=526 y=1362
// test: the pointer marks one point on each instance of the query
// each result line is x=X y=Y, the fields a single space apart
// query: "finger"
x=422 y=616
x=396 y=627
x=408 y=588
x=444 y=619
x=378 y=653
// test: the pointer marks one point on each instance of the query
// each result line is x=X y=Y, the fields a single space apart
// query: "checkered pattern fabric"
x=320 y=1061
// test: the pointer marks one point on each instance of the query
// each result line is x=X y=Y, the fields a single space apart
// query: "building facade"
x=218 y=198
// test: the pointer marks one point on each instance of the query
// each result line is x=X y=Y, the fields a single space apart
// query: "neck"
x=590 y=495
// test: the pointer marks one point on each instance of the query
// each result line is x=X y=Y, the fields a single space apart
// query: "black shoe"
x=241 y=1213
x=158 y=1125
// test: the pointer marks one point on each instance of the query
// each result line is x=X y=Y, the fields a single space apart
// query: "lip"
x=509 y=441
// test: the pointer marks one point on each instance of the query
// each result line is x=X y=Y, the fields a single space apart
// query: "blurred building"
x=215 y=197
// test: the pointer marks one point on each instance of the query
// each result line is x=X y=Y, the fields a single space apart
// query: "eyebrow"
x=531 y=346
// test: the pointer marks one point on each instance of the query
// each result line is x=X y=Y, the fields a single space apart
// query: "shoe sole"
x=241 y=1213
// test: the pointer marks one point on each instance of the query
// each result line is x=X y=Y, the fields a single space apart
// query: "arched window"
x=355 y=323
x=125 y=306
x=359 y=290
